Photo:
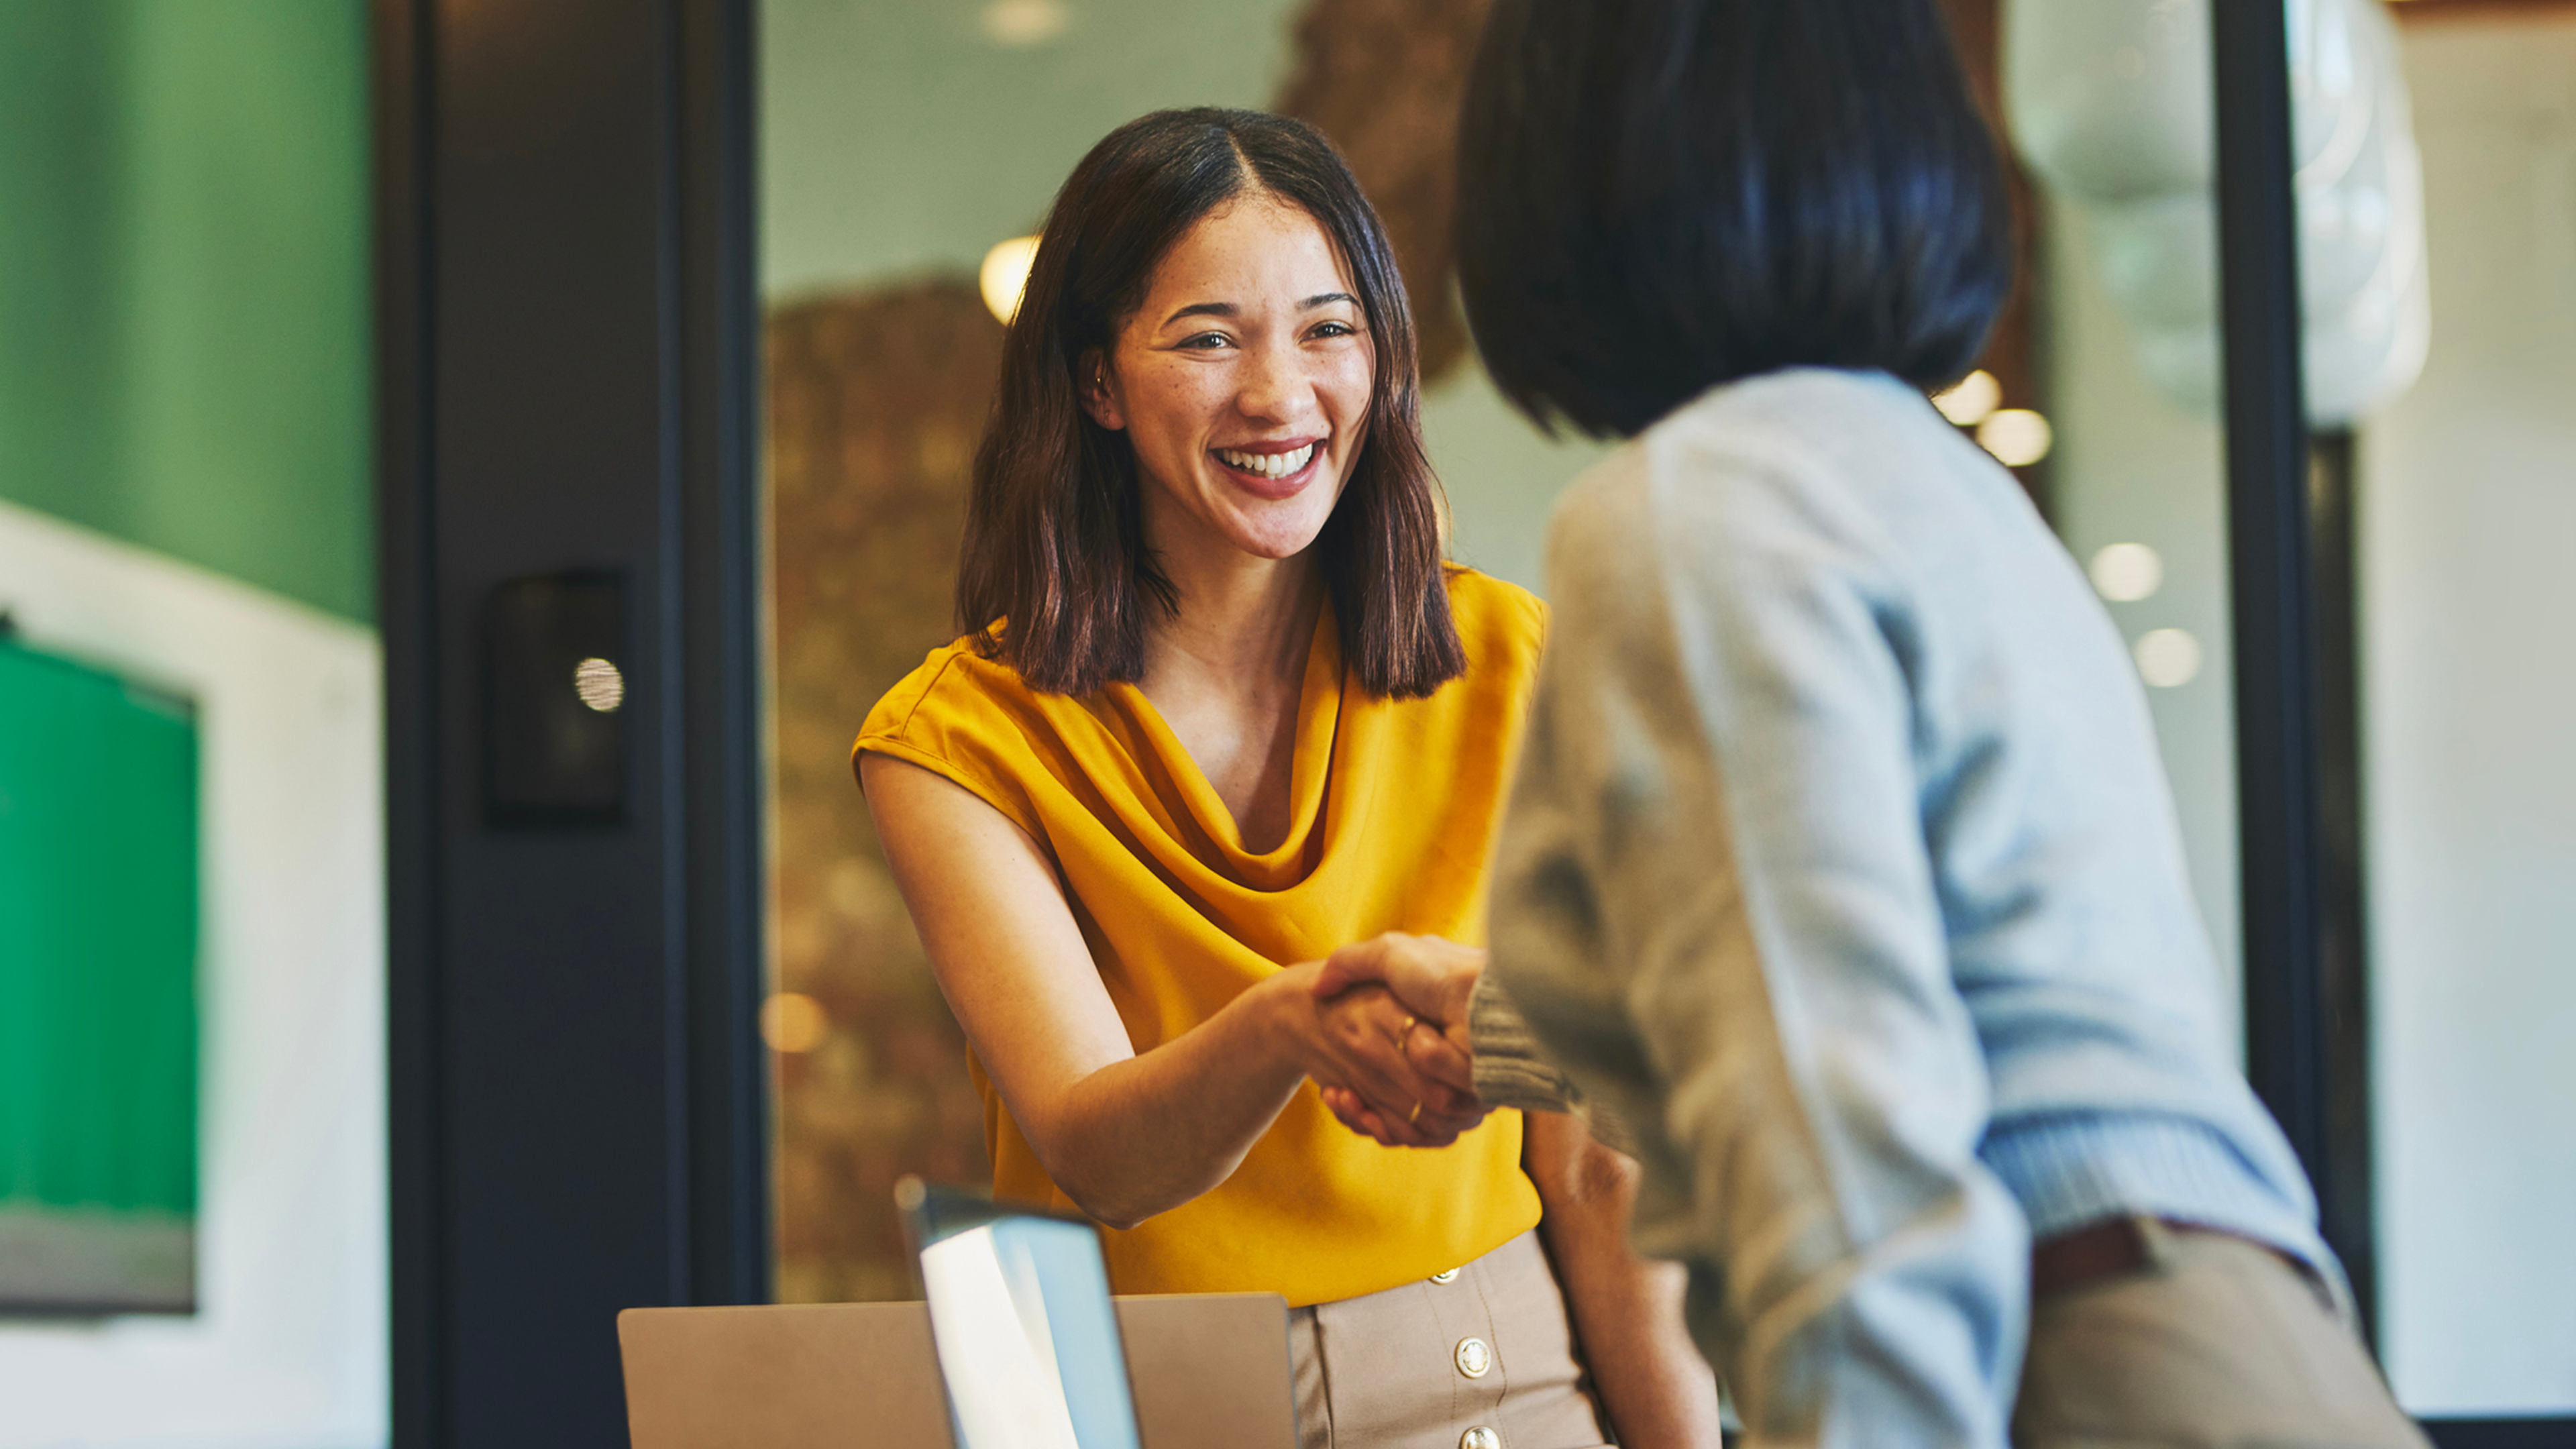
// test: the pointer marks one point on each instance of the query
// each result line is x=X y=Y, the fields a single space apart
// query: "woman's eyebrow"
x=1227 y=309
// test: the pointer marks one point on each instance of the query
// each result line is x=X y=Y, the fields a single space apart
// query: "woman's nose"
x=1276 y=386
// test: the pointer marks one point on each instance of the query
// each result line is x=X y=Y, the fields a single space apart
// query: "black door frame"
x=568 y=368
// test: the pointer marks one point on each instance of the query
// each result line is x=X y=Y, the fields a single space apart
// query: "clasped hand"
x=1397 y=1007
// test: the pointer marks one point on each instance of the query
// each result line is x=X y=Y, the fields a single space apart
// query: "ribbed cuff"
x=1512 y=1071
x=2073 y=1169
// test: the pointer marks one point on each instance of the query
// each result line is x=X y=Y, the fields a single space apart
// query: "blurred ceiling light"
x=1006 y=274
x=599 y=685
x=792 y=1022
x=1968 y=401
x=2167 y=657
x=2127 y=572
x=2016 y=436
x=1020 y=23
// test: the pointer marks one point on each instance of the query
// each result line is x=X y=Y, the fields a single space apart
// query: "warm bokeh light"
x=2127 y=572
x=2017 y=437
x=2167 y=657
x=1020 y=23
x=1971 y=399
x=1006 y=274
x=793 y=1022
x=599 y=684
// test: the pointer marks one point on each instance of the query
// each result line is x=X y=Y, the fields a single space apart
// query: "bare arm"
x=1125 y=1135
x=1627 y=1312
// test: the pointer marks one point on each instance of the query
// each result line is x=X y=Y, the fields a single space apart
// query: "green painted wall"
x=184 y=354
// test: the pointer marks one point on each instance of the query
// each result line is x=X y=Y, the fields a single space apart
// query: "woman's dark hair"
x=1055 y=541
x=1657 y=196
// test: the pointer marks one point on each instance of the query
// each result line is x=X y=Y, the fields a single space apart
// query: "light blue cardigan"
x=1843 y=871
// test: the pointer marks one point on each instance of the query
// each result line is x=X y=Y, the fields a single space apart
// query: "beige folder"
x=1209 y=1369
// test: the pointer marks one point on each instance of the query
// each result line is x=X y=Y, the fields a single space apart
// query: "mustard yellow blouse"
x=1395 y=804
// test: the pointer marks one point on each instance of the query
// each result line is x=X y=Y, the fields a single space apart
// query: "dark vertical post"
x=2277 y=732
x=406 y=613
x=2344 y=1189
x=567 y=321
x=718 y=406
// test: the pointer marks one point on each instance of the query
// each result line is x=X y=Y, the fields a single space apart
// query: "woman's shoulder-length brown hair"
x=1055 y=576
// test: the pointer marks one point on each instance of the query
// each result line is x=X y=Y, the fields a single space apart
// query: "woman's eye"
x=1336 y=329
x=1209 y=340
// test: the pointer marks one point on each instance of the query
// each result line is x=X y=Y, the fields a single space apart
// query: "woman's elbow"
x=1105 y=1193
x=1107 y=1211
x=1580 y=1175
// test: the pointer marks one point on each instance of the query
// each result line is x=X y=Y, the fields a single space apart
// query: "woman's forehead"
x=1258 y=249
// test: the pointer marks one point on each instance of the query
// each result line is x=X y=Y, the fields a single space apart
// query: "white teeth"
x=1268 y=465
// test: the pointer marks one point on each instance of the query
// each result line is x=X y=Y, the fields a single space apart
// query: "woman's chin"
x=1279 y=530
x=1275 y=545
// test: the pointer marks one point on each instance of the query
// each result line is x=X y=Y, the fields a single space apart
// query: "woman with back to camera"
x=1221 y=707
x=1841 y=866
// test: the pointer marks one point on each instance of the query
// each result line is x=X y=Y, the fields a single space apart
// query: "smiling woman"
x=1205 y=266
x=1220 y=707
x=1245 y=413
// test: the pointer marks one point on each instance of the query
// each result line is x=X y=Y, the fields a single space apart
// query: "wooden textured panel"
x=875 y=404
x=1383 y=79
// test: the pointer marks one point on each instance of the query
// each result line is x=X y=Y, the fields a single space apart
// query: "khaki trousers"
x=2214 y=1344
x=1391 y=1370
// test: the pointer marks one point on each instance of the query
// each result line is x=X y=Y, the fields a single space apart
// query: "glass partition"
x=906 y=146
x=911 y=146
x=2108 y=109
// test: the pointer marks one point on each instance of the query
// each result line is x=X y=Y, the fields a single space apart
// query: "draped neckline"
x=1319 y=710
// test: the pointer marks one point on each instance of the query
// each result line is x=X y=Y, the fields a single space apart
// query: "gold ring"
x=1416 y=1114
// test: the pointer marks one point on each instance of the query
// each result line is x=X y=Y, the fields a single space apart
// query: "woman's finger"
x=1367 y=1029
x=1358 y=964
x=1356 y=1114
x=1433 y=1055
x=1346 y=1109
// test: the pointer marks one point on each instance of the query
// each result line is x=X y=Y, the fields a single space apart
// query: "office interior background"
x=321 y=324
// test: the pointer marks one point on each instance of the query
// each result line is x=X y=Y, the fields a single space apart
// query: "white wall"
x=289 y=1349
x=2468 y=522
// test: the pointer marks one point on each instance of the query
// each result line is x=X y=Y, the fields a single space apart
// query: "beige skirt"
x=1479 y=1358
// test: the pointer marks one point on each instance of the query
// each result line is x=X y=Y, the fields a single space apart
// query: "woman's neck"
x=1244 y=623
x=1227 y=670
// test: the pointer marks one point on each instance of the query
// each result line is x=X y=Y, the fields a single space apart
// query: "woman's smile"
x=1273 y=470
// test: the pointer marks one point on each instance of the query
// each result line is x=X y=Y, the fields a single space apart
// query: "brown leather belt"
x=2113 y=1248
x=2107 y=1249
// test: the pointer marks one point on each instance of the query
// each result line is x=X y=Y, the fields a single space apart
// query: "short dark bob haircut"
x=1055 y=541
x=1658 y=196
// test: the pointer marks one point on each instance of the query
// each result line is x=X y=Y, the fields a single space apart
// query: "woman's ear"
x=1099 y=391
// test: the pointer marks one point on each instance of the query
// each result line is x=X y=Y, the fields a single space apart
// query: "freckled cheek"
x=1349 y=389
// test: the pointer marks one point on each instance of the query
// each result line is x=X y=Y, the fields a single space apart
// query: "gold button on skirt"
x=1394 y=1370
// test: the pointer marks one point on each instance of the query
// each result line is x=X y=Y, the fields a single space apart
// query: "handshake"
x=1395 y=1009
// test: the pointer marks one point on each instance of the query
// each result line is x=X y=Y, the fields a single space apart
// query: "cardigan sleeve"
x=1513 y=1071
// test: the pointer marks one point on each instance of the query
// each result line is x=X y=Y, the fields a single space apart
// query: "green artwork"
x=98 y=991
